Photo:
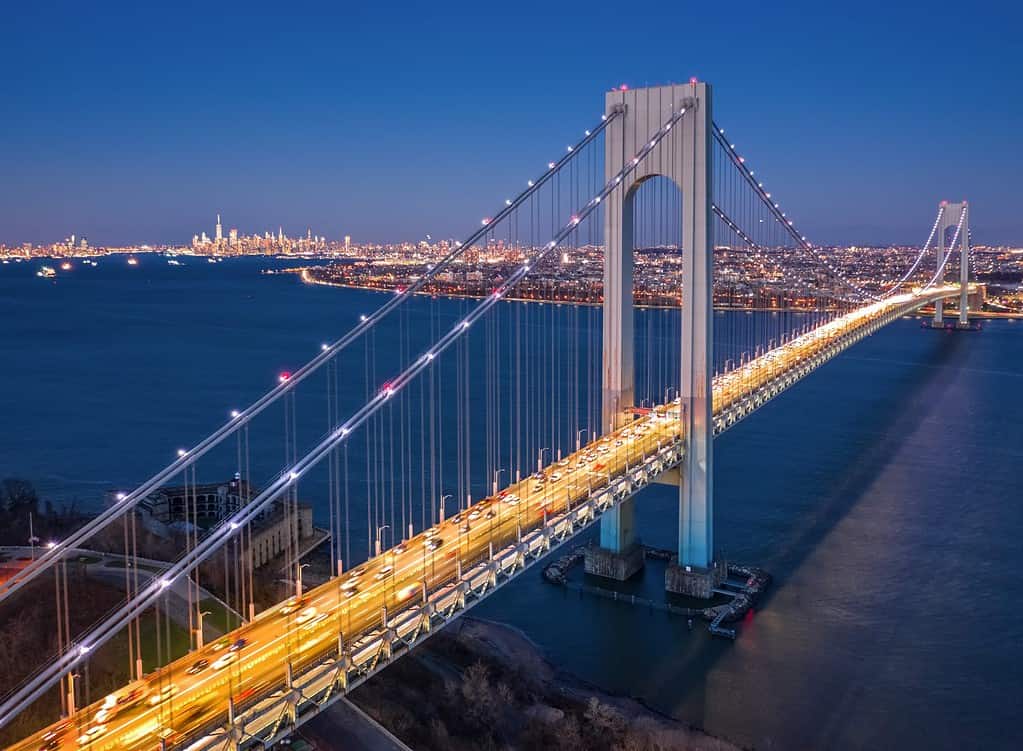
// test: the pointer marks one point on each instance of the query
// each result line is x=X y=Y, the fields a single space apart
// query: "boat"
x=133 y=262
x=173 y=262
x=66 y=266
x=46 y=272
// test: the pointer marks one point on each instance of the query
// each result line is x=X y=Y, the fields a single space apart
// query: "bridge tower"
x=951 y=215
x=684 y=157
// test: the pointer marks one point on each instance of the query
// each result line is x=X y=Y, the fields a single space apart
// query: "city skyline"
x=371 y=139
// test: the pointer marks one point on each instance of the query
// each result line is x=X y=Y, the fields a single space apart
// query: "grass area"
x=120 y=563
x=219 y=617
x=157 y=650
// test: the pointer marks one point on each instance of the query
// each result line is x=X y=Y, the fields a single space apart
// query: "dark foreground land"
x=480 y=685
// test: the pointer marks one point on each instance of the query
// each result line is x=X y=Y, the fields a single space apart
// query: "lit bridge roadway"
x=299 y=656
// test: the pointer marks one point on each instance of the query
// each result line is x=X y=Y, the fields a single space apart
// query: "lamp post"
x=539 y=460
x=379 y=531
x=198 y=631
x=298 y=579
x=497 y=474
x=448 y=495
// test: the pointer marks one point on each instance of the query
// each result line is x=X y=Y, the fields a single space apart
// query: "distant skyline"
x=135 y=123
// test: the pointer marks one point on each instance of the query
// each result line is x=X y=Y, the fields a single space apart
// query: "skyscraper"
x=220 y=231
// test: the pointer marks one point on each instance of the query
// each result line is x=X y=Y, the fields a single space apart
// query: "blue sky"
x=388 y=121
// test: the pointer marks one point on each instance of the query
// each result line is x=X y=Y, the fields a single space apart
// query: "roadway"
x=194 y=692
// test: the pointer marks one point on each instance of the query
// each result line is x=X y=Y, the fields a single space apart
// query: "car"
x=464 y=527
x=383 y=573
x=94 y=732
x=555 y=476
x=358 y=572
x=474 y=515
x=431 y=532
x=407 y=591
x=349 y=584
x=350 y=592
x=433 y=543
x=316 y=621
x=619 y=443
x=239 y=645
x=491 y=514
x=399 y=548
x=306 y=615
x=221 y=644
x=564 y=462
x=57 y=730
x=50 y=744
x=226 y=659
x=540 y=477
x=128 y=698
x=163 y=694
x=292 y=605
x=198 y=666
x=538 y=488
x=511 y=499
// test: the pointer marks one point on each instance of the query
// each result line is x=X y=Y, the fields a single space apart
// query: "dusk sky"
x=131 y=124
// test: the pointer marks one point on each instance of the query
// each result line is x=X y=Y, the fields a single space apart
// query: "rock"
x=544 y=713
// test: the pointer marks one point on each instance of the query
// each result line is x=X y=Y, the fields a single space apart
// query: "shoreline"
x=481 y=684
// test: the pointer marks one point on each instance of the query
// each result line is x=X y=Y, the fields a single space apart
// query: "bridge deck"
x=387 y=591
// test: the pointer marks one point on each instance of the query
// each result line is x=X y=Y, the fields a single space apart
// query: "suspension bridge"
x=528 y=423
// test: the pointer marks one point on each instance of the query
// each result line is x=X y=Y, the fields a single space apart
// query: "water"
x=882 y=493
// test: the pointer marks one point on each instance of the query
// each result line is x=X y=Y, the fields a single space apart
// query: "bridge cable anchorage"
x=18 y=699
x=786 y=223
x=127 y=501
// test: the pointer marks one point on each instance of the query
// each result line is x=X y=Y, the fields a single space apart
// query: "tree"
x=18 y=495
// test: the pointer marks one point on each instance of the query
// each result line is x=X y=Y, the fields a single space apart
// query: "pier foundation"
x=693 y=581
x=610 y=564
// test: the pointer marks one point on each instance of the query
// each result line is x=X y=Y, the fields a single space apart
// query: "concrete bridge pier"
x=684 y=157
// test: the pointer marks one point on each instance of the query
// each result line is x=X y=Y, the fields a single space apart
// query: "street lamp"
x=379 y=531
x=447 y=495
x=497 y=473
x=298 y=580
x=539 y=460
x=198 y=631
x=579 y=439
